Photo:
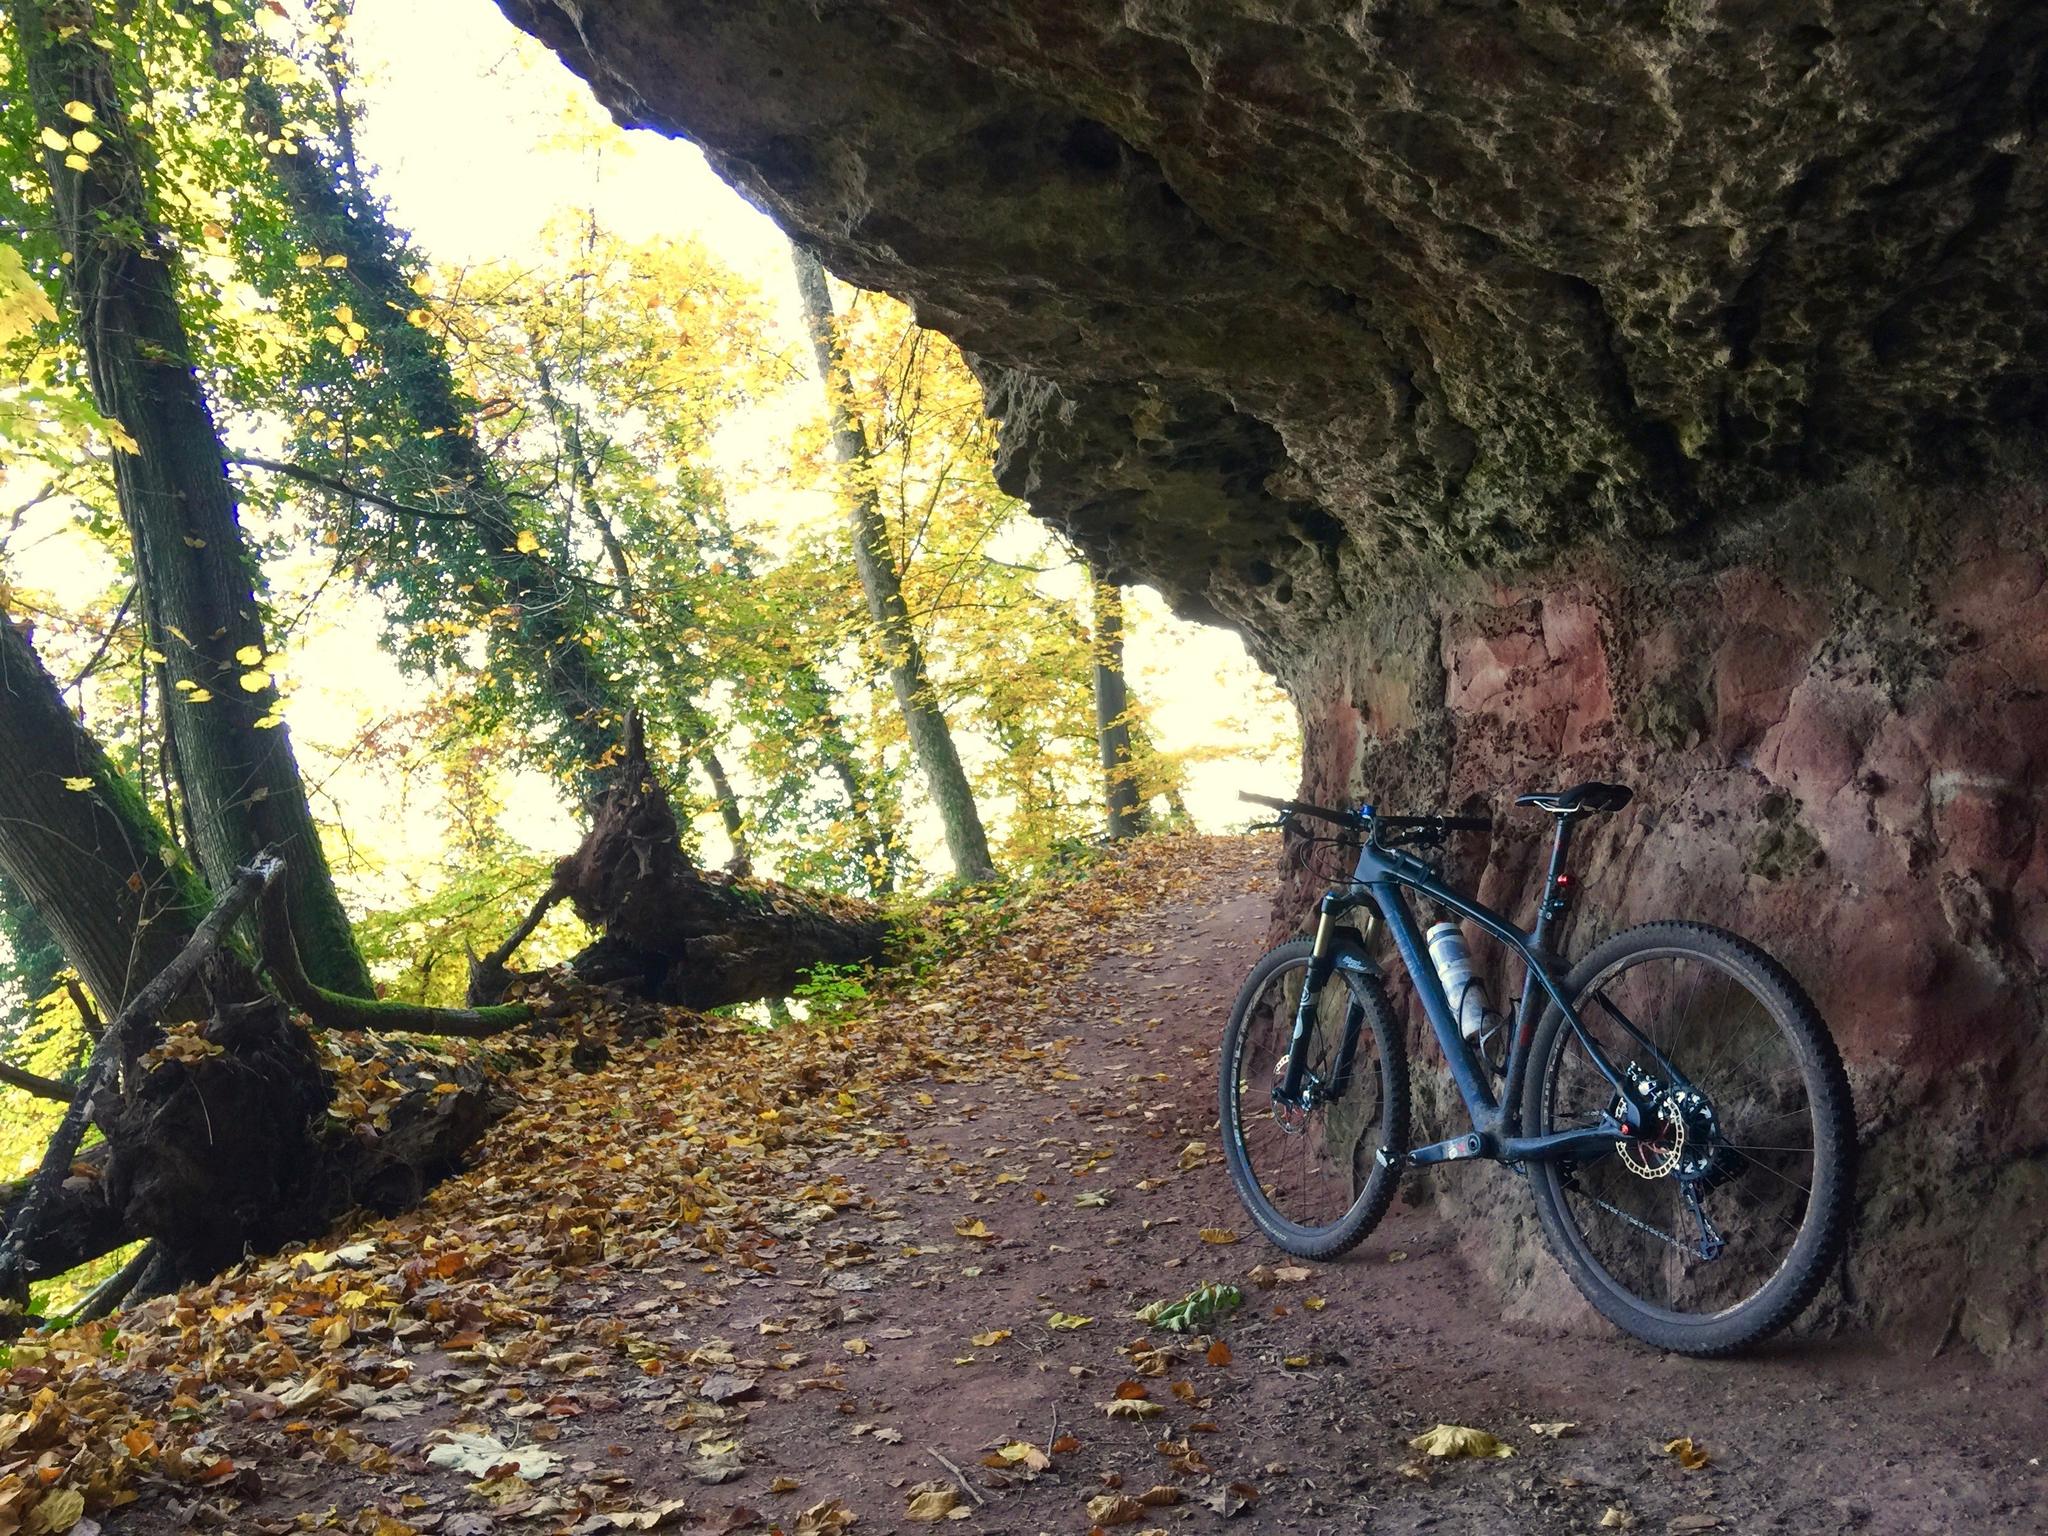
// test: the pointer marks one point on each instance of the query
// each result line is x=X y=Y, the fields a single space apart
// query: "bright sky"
x=479 y=137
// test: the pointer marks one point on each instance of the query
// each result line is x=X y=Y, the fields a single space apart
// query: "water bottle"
x=1454 y=969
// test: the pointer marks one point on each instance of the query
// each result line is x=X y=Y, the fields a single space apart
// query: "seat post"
x=1556 y=898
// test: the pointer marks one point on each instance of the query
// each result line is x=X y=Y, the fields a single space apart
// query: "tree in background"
x=230 y=753
x=895 y=639
x=1123 y=810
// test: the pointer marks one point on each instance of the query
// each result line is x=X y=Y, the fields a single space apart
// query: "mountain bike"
x=1673 y=1100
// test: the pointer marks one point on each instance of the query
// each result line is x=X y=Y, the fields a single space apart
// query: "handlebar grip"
x=1266 y=800
x=1468 y=823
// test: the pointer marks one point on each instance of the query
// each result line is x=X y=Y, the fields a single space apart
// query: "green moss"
x=1785 y=845
x=1668 y=713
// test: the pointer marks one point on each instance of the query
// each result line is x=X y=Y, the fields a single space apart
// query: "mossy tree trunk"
x=931 y=739
x=78 y=842
x=234 y=762
x=546 y=640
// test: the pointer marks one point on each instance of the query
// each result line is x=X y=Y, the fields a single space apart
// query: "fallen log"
x=689 y=936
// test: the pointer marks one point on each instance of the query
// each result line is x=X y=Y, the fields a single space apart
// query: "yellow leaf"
x=1690 y=1456
x=1068 y=1322
x=1455 y=1440
x=58 y=1511
x=78 y=111
x=1314 y=1303
x=976 y=1229
x=53 y=138
x=934 y=1502
x=344 y=313
x=1133 y=1408
x=78 y=783
x=335 y=261
x=1218 y=1235
x=527 y=542
x=248 y=655
x=23 y=304
x=269 y=722
x=77 y=162
x=990 y=1339
x=255 y=682
x=307 y=259
x=1115 y=1509
x=199 y=696
x=85 y=141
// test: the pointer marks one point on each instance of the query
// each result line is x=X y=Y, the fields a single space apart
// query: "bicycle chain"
x=1635 y=1221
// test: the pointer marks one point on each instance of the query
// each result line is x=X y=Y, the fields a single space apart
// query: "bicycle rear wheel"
x=1719 y=1226
x=1312 y=1175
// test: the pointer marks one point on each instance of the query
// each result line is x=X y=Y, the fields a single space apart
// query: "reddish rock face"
x=1856 y=785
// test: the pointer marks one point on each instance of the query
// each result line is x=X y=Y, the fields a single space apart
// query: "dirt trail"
x=875 y=1341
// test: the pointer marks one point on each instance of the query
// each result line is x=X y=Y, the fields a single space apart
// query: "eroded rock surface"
x=1650 y=390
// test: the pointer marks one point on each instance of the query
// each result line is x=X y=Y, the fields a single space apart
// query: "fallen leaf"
x=1218 y=1235
x=1689 y=1456
x=1232 y=1499
x=1616 y=1518
x=1555 y=1430
x=1018 y=1454
x=480 y=1455
x=990 y=1339
x=825 y=1518
x=1219 y=1353
x=1115 y=1509
x=932 y=1501
x=976 y=1229
x=1068 y=1321
x=1456 y=1440
x=1132 y=1408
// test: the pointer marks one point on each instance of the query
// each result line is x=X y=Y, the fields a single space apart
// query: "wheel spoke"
x=1737 y=1132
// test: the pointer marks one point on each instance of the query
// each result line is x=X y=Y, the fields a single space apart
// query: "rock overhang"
x=1265 y=292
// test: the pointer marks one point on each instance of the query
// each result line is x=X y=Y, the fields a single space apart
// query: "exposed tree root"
x=691 y=936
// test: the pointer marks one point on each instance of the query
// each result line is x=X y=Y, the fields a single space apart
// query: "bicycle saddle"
x=1581 y=798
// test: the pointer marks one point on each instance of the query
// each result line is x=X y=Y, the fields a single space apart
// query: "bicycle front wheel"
x=1316 y=1174
x=1716 y=1227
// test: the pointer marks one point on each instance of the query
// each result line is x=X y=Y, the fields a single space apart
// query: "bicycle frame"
x=1380 y=882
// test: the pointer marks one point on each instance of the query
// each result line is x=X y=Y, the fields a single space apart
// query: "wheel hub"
x=1292 y=1118
x=1684 y=1137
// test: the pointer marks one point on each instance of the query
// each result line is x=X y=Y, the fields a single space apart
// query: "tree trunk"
x=694 y=724
x=546 y=640
x=76 y=839
x=691 y=936
x=924 y=722
x=240 y=782
x=1124 y=812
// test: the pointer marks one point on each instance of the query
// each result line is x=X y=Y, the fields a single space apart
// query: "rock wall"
x=1652 y=389
x=1840 y=750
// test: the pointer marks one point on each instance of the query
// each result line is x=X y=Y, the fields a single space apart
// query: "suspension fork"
x=1322 y=961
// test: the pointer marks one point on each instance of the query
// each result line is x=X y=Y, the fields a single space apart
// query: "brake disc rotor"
x=1656 y=1157
x=1291 y=1118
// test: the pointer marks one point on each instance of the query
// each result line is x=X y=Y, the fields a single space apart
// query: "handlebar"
x=1367 y=818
